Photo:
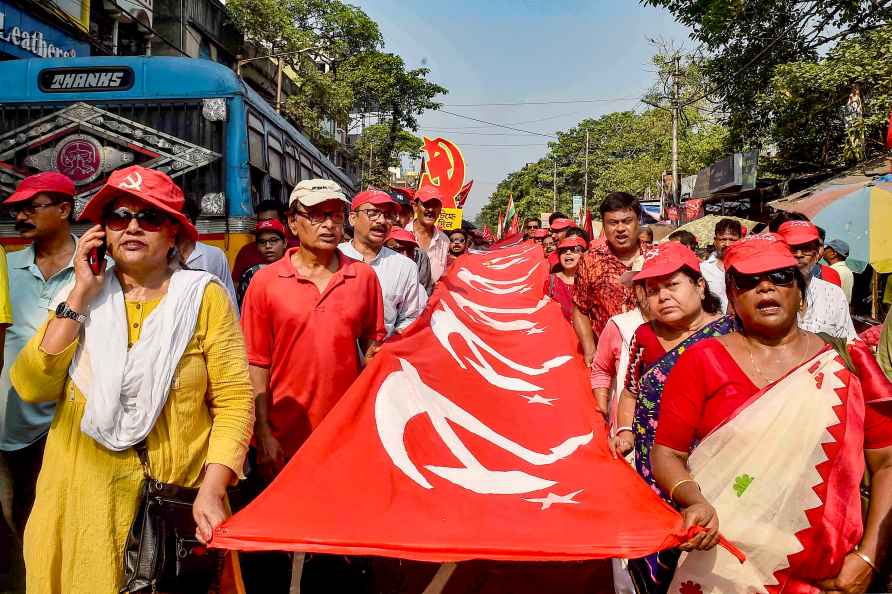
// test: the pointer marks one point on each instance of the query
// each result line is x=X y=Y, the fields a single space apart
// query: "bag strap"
x=142 y=450
x=840 y=345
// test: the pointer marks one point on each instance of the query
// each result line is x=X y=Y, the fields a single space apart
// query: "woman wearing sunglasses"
x=763 y=435
x=142 y=353
x=682 y=313
x=560 y=281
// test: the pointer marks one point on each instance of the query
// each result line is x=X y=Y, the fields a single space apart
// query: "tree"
x=377 y=151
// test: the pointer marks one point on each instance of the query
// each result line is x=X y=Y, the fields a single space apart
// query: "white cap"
x=311 y=192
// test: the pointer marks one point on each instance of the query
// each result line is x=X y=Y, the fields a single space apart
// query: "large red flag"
x=472 y=435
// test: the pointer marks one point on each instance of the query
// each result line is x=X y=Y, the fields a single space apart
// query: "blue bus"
x=193 y=119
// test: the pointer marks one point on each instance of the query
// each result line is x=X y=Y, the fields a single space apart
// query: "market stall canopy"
x=858 y=213
x=704 y=227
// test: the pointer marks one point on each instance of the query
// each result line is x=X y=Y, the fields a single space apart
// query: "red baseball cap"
x=540 y=233
x=148 y=185
x=402 y=235
x=428 y=193
x=375 y=197
x=51 y=182
x=560 y=224
x=667 y=258
x=798 y=232
x=759 y=253
x=270 y=226
x=574 y=241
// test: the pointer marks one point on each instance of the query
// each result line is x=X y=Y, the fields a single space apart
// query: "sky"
x=510 y=51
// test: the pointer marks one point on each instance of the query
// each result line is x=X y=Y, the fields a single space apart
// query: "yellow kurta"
x=86 y=494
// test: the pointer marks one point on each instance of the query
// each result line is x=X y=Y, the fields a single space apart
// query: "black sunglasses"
x=148 y=219
x=781 y=278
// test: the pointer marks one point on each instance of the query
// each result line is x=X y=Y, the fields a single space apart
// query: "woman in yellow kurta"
x=196 y=429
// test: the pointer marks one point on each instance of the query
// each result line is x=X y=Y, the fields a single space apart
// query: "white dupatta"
x=126 y=390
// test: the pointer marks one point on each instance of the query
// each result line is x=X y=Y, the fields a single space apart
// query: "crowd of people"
x=134 y=352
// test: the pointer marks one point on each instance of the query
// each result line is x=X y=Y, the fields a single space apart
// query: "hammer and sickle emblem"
x=403 y=395
x=132 y=182
x=444 y=169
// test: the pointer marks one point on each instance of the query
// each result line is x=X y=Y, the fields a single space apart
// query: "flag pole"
x=440 y=579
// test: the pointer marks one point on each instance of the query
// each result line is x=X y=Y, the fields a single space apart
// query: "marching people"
x=270 y=241
x=826 y=308
x=820 y=271
x=143 y=355
x=558 y=229
x=197 y=255
x=43 y=209
x=727 y=231
x=751 y=425
x=422 y=262
x=373 y=212
x=646 y=236
x=428 y=204
x=561 y=279
x=530 y=225
x=249 y=255
x=302 y=318
x=458 y=244
x=682 y=312
x=598 y=293
x=836 y=253
x=686 y=238
x=548 y=246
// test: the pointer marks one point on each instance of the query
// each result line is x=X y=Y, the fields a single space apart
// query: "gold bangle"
x=678 y=484
x=866 y=559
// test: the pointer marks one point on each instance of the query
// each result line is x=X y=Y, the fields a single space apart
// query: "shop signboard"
x=23 y=36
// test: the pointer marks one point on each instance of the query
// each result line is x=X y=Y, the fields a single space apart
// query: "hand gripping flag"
x=472 y=435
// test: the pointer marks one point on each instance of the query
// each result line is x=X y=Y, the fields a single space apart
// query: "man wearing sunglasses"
x=529 y=226
x=827 y=309
x=43 y=208
x=373 y=212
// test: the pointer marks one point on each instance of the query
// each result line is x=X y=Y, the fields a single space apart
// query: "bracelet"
x=621 y=429
x=678 y=484
x=866 y=559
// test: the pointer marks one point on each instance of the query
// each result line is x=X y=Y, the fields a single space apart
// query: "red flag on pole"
x=588 y=227
x=487 y=234
x=462 y=195
x=501 y=225
x=889 y=132
x=515 y=226
x=472 y=435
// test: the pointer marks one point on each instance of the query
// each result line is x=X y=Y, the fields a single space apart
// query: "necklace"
x=758 y=370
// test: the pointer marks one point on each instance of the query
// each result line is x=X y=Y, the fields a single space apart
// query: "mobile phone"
x=96 y=259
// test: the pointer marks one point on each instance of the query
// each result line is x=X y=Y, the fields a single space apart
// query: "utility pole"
x=676 y=183
x=585 y=190
x=554 y=195
x=279 y=85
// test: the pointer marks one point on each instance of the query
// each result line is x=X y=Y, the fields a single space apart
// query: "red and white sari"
x=783 y=473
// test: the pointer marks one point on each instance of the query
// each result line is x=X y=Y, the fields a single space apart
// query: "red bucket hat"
x=668 y=258
x=148 y=185
x=570 y=242
x=759 y=253
x=51 y=182
x=561 y=224
x=798 y=232
x=375 y=197
x=402 y=235
x=270 y=226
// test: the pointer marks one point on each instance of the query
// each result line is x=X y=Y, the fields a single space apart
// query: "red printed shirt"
x=307 y=339
x=598 y=292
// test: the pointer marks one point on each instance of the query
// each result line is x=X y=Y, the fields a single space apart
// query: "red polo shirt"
x=307 y=340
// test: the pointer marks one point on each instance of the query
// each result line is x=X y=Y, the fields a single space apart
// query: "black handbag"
x=161 y=553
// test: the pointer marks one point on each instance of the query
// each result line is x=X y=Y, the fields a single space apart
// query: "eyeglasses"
x=578 y=249
x=784 y=277
x=28 y=209
x=376 y=215
x=532 y=227
x=270 y=242
x=318 y=217
x=148 y=220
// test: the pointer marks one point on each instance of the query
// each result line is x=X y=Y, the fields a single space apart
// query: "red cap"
x=668 y=258
x=270 y=226
x=798 y=232
x=428 y=193
x=149 y=185
x=375 y=197
x=560 y=224
x=759 y=253
x=540 y=233
x=574 y=241
x=52 y=182
x=402 y=235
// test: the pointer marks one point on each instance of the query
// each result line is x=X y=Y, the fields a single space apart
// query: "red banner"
x=472 y=435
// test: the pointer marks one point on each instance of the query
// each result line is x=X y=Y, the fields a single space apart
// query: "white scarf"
x=127 y=389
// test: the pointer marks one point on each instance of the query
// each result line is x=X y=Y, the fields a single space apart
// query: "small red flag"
x=588 y=227
x=462 y=195
x=889 y=132
x=487 y=234
x=515 y=226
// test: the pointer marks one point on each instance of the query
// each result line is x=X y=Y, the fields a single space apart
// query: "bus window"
x=275 y=158
x=256 y=145
x=292 y=168
x=305 y=167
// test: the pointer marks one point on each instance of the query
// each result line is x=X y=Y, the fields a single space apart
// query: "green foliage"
x=377 y=152
x=809 y=121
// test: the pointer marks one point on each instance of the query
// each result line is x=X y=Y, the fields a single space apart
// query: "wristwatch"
x=63 y=311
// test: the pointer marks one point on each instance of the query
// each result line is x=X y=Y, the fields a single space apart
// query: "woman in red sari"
x=763 y=435
x=559 y=285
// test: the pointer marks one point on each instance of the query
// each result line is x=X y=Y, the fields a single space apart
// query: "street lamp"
x=238 y=68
